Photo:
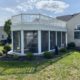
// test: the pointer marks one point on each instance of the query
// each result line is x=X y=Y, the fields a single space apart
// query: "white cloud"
x=48 y=5
x=24 y=6
x=10 y=10
x=55 y=6
x=51 y=5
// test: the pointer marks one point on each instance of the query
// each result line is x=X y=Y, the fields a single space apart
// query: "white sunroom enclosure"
x=37 y=33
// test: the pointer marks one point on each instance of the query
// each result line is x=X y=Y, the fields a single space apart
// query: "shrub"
x=71 y=45
x=1 y=44
x=1 y=53
x=29 y=56
x=62 y=50
x=16 y=56
x=48 y=55
x=6 y=49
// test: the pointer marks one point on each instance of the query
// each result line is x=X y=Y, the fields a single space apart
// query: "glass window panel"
x=59 y=39
x=31 y=41
x=16 y=19
x=17 y=41
x=44 y=40
x=77 y=34
x=63 y=38
x=30 y=18
x=52 y=40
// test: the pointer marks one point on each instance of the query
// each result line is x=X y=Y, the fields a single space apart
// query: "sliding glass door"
x=17 y=41
x=31 y=41
x=52 y=40
x=59 y=39
x=64 y=39
x=44 y=41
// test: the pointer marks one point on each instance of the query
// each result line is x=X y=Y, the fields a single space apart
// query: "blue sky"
x=52 y=8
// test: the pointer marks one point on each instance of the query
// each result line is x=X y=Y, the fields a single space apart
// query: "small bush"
x=15 y=56
x=62 y=50
x=4 y=52
x=1 y=53
x=6 y=49
x=48 y=55
x=1 y=44
x=71 y=45
x=29 y=55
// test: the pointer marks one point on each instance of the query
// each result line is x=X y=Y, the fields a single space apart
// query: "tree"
x=7 y=27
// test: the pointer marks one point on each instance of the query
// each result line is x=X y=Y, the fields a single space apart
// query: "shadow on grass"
x=28 y=67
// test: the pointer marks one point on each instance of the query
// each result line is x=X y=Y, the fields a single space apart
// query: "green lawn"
x=1 y=48
x=66 y=67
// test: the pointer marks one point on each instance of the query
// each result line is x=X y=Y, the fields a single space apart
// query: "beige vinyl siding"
x=71 y=25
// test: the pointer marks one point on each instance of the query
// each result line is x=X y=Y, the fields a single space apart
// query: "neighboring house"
x=73 y=27
x=38 y=33
x=3 y=35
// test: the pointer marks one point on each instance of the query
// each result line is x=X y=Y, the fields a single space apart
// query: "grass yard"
x=66 y=67
x=1 y=48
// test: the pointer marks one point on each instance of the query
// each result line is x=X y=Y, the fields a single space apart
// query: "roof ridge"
x=70 y=14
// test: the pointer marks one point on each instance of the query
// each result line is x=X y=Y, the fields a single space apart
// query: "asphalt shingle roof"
x=67 y=17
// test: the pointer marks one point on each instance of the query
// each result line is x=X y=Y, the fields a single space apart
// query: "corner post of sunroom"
x=66 y=39
x=22 y=42
x=56 y=37
x=49 y=40
x=61 y=40
x=39 y=41
x=12 y=39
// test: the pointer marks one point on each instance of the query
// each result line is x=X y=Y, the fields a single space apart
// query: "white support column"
x=56 y=38
x=39 y=41
x=12 y=39
x=22 y=42
x=49 y=40
x=61 y=40
x=66 y=39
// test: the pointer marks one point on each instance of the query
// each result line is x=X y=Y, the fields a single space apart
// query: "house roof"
x=67 y=17
x=2 y=26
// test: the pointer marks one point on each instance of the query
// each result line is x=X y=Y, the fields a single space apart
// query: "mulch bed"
x=21 y=58
x=24 y=58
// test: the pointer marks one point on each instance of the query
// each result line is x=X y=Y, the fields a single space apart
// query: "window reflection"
x=77 y=35
x=30 y=41
x=59 y=39
x=52 y=40
x=16 y=41
x=44 y=40
x=63 y=39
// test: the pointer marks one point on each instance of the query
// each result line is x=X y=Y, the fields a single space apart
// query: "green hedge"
x=30 y=56
x=71 y=45
x=48 y=55
x=63 y=50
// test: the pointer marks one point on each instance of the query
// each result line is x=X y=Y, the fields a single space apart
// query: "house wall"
x=71 y=25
